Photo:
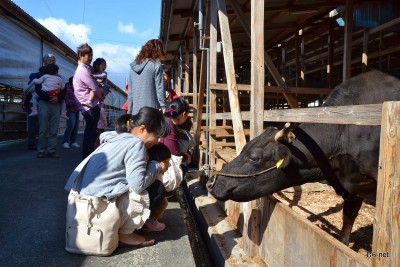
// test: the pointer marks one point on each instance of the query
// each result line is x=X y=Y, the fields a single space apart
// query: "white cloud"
x=127 y=28
x=71 y=34
x=118 y=57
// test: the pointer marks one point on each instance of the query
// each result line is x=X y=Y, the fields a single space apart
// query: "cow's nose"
x=211 y=181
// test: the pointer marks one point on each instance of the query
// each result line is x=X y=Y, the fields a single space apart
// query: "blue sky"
x=116 y=29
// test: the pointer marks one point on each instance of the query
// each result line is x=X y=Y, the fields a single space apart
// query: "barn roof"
x=282 y=19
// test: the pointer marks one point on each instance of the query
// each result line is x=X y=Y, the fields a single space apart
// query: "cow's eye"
x=254 y=159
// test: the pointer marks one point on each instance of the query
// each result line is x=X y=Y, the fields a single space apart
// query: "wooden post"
x=297 y=58
x=331 y=48
x=252 y=215
x=186 y=89
x=194 y=83
x=364 y=57
x=348 y=32
x=386 y=239
x=200 y=99
x=240 y=139
x=257 y=69
x=213 y=77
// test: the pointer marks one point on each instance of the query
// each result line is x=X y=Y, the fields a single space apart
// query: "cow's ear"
x=282 y=156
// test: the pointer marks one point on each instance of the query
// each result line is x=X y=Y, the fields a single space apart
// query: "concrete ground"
x=32 y=221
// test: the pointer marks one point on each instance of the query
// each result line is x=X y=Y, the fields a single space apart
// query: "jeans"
x=156 y=194
x=89 y=136
x=33 y=130
x=72 y=127
x=49 y=116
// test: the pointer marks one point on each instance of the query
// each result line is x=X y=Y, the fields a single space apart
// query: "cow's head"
x=260 y=154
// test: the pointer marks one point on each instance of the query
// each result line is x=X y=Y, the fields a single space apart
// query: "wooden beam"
x=348 y=32
x=213 y=76
x=364 y=57
x=221 y=132
x=276 y=89
x=200 y=99
x=240 y=139
x=257 y=68
x=386 y=238
x=355 y=114
x=252 y=215
x=186 y=68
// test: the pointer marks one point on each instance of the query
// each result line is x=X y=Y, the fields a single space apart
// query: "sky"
x=115 y=29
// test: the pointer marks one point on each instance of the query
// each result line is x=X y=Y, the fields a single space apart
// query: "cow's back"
x=372 y=87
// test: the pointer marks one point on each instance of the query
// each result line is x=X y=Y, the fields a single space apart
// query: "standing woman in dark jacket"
x=145 y=85
x=72 y=104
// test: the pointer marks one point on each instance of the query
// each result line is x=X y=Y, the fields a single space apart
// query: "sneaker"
x=33 y=113
x=54 y=155
x=75 y=145
x=66 y=145
x=63 y=116
x=40 y=155
x=154 y=226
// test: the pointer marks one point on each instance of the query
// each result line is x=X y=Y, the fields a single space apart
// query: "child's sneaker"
x=64 y=116
x=34 y=112
x=66 y=145
x=75 y=145
x=153 y=226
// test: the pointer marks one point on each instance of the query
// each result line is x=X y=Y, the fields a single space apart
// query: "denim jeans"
x=49 y=116
x=33 y=130
x=89 y=136
x=156 y=194
x=72 y=127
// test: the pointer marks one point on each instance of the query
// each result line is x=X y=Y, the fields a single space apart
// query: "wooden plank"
x=348 y=33
x=240 y=139
x=364 y=57
x=291 y=240
x=276 y=89
x=331 y=48
x=355 y=115
x=226 y=132
x=202 y=85
x=213 y=74
x=386 y=239
x=187 y=76
x=257 y=68
x=251 y=214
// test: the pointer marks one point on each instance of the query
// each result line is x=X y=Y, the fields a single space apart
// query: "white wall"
x=21 y=52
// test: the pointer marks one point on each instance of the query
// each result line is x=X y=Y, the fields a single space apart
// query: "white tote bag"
x=173 y=177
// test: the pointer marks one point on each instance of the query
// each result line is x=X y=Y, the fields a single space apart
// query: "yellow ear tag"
x=279 y=163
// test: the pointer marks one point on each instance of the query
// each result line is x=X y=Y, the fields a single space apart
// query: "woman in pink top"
x=89 y=95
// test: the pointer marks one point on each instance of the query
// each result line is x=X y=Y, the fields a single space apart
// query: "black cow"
x=344 y=155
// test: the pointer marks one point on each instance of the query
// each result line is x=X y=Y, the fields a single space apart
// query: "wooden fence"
x=283 y=238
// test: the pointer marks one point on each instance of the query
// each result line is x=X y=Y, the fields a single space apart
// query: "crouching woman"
x=119 y=170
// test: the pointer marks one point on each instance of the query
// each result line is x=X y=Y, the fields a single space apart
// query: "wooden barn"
x=246 y=64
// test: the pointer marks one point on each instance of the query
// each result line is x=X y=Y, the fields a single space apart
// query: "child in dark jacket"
x=72 y=107
x=158 y=201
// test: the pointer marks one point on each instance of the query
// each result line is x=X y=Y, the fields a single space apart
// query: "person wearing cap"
x=49 y=107
x=33 y=121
